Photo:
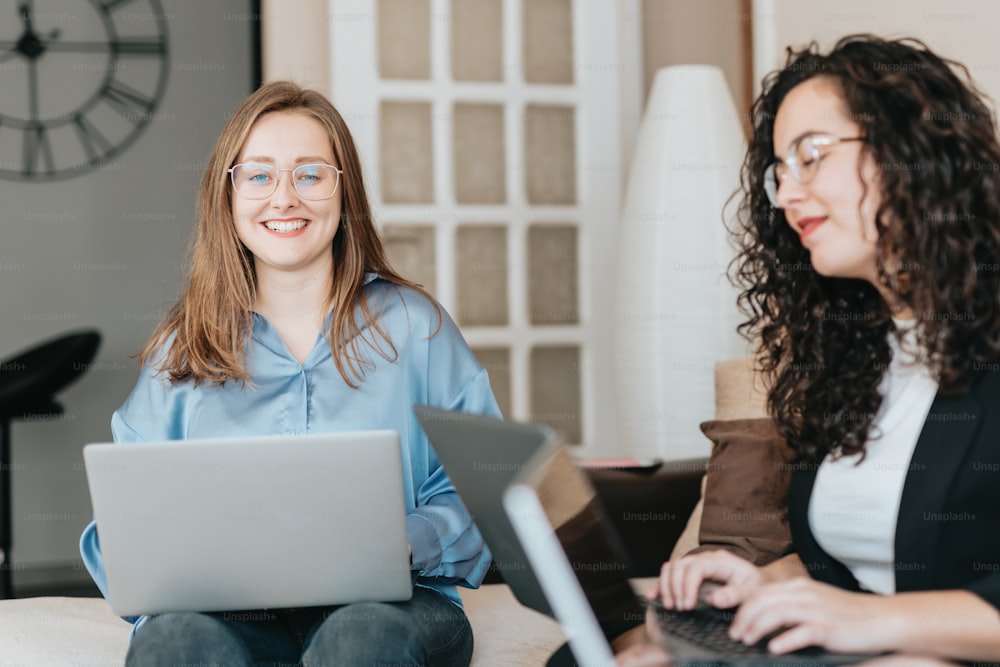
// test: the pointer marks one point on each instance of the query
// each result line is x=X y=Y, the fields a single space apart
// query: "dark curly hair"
x=824 y=342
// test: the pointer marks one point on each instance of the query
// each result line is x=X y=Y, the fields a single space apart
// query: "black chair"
x=29 y=381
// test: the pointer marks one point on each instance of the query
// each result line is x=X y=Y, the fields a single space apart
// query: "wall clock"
x=81 y=79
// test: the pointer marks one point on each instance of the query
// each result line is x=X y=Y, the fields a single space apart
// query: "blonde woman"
x=292 y=321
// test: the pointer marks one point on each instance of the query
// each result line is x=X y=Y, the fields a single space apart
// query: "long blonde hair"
x=211 y=322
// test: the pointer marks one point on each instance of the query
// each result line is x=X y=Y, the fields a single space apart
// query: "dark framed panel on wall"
x=109 y=113
x=256 y=41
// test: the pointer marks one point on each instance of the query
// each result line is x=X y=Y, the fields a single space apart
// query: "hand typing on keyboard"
x=732 y=580
x=780 y=609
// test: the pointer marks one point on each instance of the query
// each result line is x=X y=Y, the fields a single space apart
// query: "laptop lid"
x=482 y=455
x=250 y=523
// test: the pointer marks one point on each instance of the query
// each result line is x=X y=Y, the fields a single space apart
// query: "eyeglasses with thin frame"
x=254 y=180
x=804 y=155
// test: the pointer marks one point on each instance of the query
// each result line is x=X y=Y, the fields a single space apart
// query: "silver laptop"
x=250 y=523
x=558 y=519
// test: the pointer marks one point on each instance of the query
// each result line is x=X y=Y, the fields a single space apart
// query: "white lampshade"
x=676 y=311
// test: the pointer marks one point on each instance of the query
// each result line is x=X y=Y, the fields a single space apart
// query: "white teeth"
x=285 y=226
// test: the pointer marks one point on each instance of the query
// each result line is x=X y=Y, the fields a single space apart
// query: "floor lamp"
x=676 y=311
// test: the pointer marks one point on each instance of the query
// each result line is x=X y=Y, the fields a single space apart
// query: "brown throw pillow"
x=746 y=490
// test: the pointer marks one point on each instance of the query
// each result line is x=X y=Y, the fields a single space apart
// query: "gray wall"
x=105 y=250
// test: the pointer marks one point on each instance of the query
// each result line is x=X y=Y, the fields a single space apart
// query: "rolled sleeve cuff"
x=424 y=543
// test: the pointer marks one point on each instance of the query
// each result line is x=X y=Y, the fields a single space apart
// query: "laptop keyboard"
x=706 y=627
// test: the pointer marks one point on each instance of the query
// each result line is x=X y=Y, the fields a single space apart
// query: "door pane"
x=407 y=155
x=411 y=253
x=480 y=166
x=496 y=361
x=550 y=151
x=552 y=274
x=548 y=41
x=481 y=275
x=555 y=389
x=404 y=39
x=476 y=40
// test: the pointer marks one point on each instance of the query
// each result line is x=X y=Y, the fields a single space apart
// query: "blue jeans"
x=427 y=630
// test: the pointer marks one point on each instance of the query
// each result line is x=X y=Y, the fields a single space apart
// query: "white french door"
x=490 y=131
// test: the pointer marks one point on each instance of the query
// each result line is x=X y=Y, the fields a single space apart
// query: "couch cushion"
x=60 y=631
x=739 y=394
x=746 y=490
x=739 y=391
x=506 y=632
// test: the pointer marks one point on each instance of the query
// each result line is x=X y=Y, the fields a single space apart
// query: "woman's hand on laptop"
x=810 y=613
x=680 y=585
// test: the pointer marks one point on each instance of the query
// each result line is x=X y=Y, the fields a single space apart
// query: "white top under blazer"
x=854 y=506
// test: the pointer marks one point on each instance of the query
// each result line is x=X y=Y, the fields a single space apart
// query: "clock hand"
x=136 y=47
x=30 y=45
x=24 y=9
x=77 y=46
x=33 y=88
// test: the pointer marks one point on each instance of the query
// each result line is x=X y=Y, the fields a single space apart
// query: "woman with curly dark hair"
x=869 y=266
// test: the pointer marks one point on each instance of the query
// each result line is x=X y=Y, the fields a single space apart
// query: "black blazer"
x=948 y=529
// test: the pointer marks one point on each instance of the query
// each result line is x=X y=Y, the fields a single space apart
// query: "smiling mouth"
x=285 y=226
x=807 y=225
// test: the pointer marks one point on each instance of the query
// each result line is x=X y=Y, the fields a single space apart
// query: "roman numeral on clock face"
x=110 y=5
x=36 y=145
x=139 y=46
x=94 y=143
x=127 y=101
